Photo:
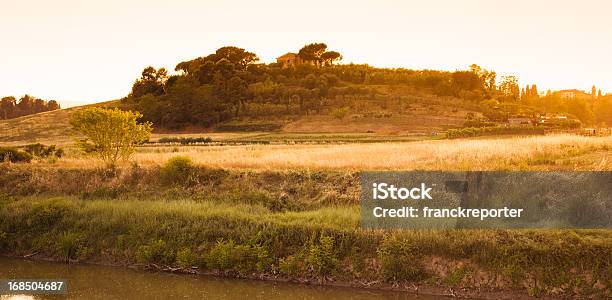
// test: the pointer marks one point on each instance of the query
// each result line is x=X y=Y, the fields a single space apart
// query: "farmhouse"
x=571 y=94
x=291 y=59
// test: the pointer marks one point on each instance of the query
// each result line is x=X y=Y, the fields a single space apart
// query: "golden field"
x=351 y=151
x=552 y=152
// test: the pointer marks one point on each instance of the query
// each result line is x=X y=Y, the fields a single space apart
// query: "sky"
x=80 y=52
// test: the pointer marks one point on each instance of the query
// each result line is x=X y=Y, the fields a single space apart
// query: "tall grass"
x=559 y=151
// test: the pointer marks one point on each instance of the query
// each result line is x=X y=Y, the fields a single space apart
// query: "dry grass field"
x=553 y=152
x=356 y=150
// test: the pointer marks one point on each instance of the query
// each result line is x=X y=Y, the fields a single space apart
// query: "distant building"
x=291 y=59
x=571 y=94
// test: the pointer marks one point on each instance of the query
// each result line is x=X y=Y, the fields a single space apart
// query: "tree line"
x=230 y=83
x=10 y=107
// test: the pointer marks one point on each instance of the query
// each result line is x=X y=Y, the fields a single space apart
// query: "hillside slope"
x=47 y=127
x=53 y=128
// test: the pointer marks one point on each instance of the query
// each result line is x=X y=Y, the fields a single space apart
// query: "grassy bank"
x=278 y=224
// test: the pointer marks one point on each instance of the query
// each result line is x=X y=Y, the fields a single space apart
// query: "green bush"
x=13 y=155
x=154 y=252
x=41 y=150
x=44 y=216
x=69 y=245
x=185 y=258
x=321 y=257
x=290 y=265
x=398 y=261
x=178 y=170
x=227 y=255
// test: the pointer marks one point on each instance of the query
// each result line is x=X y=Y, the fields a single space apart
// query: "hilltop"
x=309 y=93
x=229 y=90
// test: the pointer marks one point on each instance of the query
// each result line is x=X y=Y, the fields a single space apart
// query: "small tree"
x=111 y=133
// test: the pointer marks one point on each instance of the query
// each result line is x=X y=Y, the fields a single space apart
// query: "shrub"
x=185 y=258
x=44 y=216
x=178 y=170
x=14 y=155
x=398 y=261
x=222 y=255
x=41 y=150
x=69 y=245
x=290 y=265
x=321 y=257
x=154 y=252
x=227 y=255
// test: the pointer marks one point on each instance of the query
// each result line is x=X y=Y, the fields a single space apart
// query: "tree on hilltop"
x=318 y=53
x=330 y=57
x=151 y=81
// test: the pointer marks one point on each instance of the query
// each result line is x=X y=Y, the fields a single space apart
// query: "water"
x=103 y=282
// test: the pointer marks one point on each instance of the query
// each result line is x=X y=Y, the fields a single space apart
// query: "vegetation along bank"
x=280 y=225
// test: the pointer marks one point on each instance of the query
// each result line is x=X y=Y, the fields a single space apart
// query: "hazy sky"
x=90 y=51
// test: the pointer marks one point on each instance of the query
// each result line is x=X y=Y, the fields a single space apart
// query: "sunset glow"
x=84 y=51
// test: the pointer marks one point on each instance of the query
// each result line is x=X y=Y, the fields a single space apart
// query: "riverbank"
x=126 y=283
x=279 y=225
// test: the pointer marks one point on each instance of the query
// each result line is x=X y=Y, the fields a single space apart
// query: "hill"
x=227 y=91
x=47 y=127
x=53 y=128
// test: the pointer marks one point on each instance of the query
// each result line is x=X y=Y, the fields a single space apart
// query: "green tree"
x=151 y=81
x=111 y=133
x=509 y=88
x=603 y=111
x=581 y=110
x=7 y=107
x=52 y=105
x=330 y=57
x=464 y=80
x=487 y=78
x=237 y=56
x=312 y=52
x=25 y=105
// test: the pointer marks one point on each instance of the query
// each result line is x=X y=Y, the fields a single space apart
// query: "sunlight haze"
x=84 y=51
